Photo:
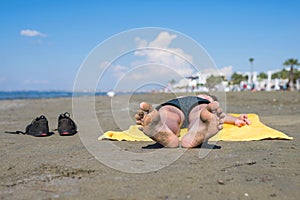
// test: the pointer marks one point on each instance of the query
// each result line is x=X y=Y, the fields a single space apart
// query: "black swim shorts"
x=185 y=104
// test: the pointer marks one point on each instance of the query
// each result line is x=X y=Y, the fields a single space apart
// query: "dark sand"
x=61 y=168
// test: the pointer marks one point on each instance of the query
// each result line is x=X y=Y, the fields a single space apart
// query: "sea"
x=9 y=95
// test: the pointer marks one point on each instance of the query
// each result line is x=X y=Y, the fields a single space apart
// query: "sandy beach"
x=59 y=167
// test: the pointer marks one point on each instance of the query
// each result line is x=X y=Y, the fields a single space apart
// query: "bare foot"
x=154 y=127
x=204 y=127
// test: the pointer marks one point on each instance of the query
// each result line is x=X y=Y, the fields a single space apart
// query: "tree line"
x=292 y=75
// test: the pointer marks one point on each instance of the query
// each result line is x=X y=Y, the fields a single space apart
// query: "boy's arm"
x=239 y=121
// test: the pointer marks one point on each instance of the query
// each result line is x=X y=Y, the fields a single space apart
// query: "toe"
x=146 y=107
x=220 y=126
x=209 y=111
x=222 y=117
x=205 y=115
x=139 y=115
x=219 y=112
x=213 y=106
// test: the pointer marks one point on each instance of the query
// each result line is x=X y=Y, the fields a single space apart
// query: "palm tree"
x=237 y=78
x=251 y=74
x=291 y=62
x=262 y=75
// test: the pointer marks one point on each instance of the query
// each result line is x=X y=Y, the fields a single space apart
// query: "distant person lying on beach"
x=200 y=114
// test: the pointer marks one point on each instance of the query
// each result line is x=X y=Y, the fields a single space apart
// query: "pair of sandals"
x=39 y=127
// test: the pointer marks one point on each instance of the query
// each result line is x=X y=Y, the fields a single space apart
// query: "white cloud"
x=160 y=51
x=143 y=75
x=104 y=64
x=115 y=70
x=119 y=70
x=163 y=40
x=32 y=33
x=156 y=61
x=225 y=71
x=140 y=42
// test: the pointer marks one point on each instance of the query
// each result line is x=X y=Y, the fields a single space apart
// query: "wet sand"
x=59 y=167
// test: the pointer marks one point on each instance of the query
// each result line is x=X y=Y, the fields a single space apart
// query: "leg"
x=205 y=121
x=162 y=126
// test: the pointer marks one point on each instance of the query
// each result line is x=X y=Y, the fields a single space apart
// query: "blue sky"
x=44 y=42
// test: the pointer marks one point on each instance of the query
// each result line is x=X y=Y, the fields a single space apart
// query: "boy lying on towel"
x=200 y=114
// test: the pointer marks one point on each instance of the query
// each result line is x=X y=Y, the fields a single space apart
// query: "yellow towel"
x=255 y=131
